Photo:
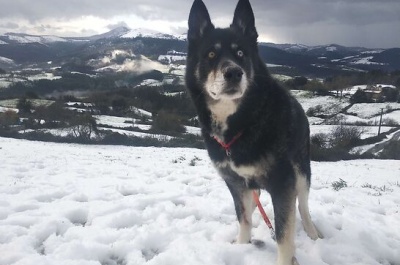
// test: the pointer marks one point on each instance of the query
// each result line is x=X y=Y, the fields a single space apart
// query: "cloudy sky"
x=367 y=23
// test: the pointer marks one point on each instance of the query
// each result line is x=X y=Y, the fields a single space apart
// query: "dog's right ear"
x=199 y=21
x=243 y=19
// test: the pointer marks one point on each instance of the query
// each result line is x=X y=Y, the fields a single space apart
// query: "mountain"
x=289 y=59
x=119 y=32
x=22 y=38
x=114 y=33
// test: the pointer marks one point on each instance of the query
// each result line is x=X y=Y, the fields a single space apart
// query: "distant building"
x=376 y=93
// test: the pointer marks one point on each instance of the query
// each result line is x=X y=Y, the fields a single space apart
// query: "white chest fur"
x=221 y=110
x=249 y=171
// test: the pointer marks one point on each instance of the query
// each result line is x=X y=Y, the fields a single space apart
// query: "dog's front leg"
x=244 y=206
x=284 y=202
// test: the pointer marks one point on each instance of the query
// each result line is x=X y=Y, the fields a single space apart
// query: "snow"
x=142 y=112
x=370 y=147
x=6 y=60
x=137 y=134
x=331 y=49
x=367 y=110
x=193 y=130
x=365 y=60
x=4 y=83
x=329 y=105
x=24 y=38
x=147 y=33
x=171 y=58
x=4 y=109
x=352 y=90
x=367 y=131
x=150 y=82
x=48 y=76
x=87 y=204
x=372 y=51
x=395 y=115
x=117 y=122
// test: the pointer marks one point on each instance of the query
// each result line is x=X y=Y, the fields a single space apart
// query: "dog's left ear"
x=244 y=19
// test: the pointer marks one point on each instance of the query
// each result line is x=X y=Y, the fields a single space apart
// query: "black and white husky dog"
x=256 y=133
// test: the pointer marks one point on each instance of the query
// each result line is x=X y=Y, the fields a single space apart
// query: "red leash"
x=263 y=214
x=227 y=146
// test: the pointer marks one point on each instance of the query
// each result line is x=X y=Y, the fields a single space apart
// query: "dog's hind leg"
x=244 y=206
x=284 y=202
x=303 y=188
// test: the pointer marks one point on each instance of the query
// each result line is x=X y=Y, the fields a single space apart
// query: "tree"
x=24 y=106
x=120 y=105
x=31 y=94
x=359 y=97
x=316 y=87
x=299 y=81
x=54 y=115
x=8 y=118
x=168 y=123
x=83 y=126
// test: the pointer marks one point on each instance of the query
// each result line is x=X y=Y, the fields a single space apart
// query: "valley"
x=127 y=87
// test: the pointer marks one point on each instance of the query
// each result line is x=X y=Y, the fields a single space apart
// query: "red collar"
x=227 y=146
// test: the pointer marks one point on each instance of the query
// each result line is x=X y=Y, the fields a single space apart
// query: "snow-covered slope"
x=147 y=33
x=6 y=62
x=87 y=205
x=26 y=38
x=120 y=32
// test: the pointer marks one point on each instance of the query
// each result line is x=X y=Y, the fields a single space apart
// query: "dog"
x=256 y=133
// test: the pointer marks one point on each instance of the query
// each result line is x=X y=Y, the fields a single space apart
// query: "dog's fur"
x=235 y=97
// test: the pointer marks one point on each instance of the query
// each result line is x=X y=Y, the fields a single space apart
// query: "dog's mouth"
x=226 y=92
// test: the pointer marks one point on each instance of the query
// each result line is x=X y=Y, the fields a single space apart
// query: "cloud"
x=9 y=25
x=352 y=22
x=117 y=25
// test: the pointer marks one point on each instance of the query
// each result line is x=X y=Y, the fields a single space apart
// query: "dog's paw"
x=320 y=235
x=312 y=231
x=235 y=241
x=288 y=262
x=294 y=261
x=258 y=243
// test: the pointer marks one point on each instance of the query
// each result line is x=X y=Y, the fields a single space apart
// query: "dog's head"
x=222 y=59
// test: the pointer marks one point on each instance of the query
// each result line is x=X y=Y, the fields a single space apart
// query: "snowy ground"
x=115 y=205
x=367 y=131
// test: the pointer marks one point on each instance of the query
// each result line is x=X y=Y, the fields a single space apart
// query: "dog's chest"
x=254 y=170
x=220 y=113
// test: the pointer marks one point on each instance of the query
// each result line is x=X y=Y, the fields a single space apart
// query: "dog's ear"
x=199 y=20
x=243 y=20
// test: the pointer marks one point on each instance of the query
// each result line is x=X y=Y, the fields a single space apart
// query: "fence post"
x=380 y=122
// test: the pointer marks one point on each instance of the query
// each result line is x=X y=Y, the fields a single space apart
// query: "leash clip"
x=228 y=152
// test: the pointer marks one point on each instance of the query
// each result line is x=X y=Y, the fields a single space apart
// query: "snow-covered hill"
x=147 y=33
x=322 y=60
x=21 y=38
x=120 y=32
x=6 y=62
x=85 y=205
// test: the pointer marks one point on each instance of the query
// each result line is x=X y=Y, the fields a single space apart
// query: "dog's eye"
x=240 y=53
x=211 y=55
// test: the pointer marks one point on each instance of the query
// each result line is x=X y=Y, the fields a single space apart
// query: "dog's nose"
x=233 y=74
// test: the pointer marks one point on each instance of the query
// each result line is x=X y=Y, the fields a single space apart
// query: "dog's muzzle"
x=229 y=82
x=232 y=76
